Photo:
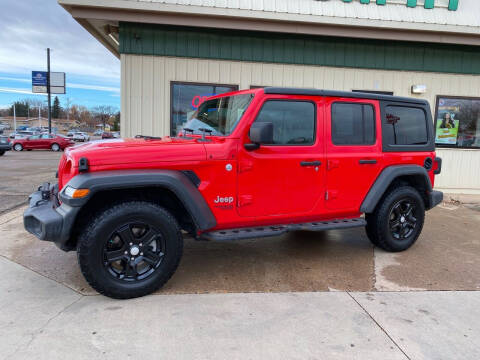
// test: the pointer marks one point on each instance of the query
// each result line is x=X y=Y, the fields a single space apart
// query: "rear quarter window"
x=409 y=125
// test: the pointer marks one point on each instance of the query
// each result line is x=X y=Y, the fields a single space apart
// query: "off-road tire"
x=55 y=147
x=378 y=227
x=2 y=152
x=18 y=147
x=90 y=248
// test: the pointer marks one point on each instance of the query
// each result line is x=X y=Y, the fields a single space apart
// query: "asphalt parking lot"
x=331 y=269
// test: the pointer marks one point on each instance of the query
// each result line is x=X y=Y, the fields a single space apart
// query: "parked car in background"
x=22 y=134
x=98 y=133
x=116 y=134
x=42 y=142
x=22 y=128
x=70 y=134
x=107 y=135
x=4 y=144
x=81 y=136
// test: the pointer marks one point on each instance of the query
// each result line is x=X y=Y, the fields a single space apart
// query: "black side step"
x=275 y=230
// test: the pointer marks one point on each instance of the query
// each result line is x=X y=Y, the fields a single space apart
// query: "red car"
x=107 y=135
x=249 y=164
x=42 y=142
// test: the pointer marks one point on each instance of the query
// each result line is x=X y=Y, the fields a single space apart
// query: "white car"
x=81 y=136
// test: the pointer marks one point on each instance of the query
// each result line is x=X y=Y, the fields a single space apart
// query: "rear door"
x=286 y=177
x=354 y=153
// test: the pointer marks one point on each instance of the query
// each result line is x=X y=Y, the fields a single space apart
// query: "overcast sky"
x=27 y=28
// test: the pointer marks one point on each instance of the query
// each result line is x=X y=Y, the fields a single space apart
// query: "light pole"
x=14 y=118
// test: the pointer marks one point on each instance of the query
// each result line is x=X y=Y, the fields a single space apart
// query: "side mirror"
x=260 y=133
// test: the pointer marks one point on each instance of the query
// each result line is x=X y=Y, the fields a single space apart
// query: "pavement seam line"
x=42 y=275
x=40 y=329
x=380 y=326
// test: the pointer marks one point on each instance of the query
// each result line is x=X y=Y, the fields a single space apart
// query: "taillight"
x=437 y=169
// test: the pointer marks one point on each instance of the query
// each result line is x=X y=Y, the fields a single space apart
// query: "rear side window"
x=409 y=125
x=353 y=124
x=293 y=121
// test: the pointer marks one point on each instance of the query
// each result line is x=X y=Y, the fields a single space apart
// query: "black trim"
x=386 y=177
x=343 y=94
x=83 y=165
x=387 y=130
x=193 y=177
x=434 y=198
x=175 y=181
x=438 y=160
x=275 y=230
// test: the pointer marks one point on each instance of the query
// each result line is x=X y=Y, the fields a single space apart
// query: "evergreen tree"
x=21 y=108
x=56 y=108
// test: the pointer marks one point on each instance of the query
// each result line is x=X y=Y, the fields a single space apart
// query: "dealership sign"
x=40 y=82
x=427 y=4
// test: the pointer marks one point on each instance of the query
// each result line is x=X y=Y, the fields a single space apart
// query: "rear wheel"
x=398 y=220
x=18 y=147
x=55 y=147
x=130 y=250
x=2 y=152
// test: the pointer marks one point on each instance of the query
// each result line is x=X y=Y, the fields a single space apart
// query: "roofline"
x=344 y=94
x=188 y=15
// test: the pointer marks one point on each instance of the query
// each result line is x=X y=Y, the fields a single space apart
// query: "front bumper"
x=434 y=198
x=47 y=219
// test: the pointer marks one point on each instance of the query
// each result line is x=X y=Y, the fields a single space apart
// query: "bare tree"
x=68 y=104
x=103 y=113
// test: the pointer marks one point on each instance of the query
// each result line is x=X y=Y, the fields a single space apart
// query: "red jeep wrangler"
x=248 y=164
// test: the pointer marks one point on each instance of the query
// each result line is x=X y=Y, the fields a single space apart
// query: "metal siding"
x=150 y=114
x=392 y=11
x=143 y=39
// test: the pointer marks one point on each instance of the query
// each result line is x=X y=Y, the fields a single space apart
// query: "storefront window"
x=187 y=97
x=457 y=122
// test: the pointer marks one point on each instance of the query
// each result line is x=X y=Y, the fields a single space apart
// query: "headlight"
x=75 y=193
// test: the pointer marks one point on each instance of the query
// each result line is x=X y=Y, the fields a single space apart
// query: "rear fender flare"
x=385 y=179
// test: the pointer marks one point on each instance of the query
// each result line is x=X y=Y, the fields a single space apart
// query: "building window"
x=187 y=97
x=457 y=122
x=293 y=121
x=409 y=125
x=353 y=124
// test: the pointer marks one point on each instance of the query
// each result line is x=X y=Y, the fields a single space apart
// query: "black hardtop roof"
x=344 y=94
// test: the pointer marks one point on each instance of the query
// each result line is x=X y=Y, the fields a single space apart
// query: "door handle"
x=310 y=163
x=364 y=162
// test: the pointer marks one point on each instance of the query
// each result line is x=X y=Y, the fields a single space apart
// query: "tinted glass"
x=293 y=121
x=220 y=115
x=353 y=124
x=186 y=98
x=409 y=125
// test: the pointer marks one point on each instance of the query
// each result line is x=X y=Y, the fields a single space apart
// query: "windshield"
x=220 y=115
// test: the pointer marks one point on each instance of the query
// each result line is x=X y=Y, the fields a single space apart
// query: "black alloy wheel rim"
x=133 y=252
x=402 y=219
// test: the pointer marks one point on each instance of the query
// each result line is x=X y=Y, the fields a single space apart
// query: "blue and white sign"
x=39 y=81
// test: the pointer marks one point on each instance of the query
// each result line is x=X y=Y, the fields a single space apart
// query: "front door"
x=354 y=151
x=286 y=177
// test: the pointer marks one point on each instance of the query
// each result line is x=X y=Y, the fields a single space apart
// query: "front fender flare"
x=175 y=181
x=385 y=179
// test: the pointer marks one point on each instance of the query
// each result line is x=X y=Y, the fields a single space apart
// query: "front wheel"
x=18 y=147
x=130 y=250
x=55 y=147
x=398 y=220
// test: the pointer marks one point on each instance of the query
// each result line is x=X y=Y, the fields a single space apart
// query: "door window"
x=293 y=121
x=353 y=124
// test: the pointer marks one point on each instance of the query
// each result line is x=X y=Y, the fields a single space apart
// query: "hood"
x=136 y=151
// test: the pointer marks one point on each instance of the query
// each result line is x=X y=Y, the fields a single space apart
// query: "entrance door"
x=285 y=177
x=354 y=153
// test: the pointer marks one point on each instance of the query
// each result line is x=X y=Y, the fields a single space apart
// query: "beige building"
x=175 y=52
